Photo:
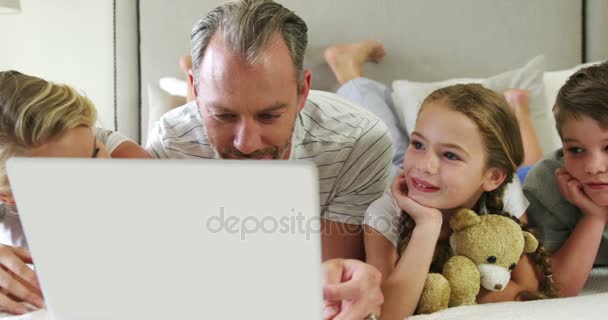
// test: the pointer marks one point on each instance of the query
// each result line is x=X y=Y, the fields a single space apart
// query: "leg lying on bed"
x=347 y=60
x=519 y=101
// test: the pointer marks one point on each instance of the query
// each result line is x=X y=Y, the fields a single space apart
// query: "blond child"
x=41 y=119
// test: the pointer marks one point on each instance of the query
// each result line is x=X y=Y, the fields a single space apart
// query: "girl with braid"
x=463 y=152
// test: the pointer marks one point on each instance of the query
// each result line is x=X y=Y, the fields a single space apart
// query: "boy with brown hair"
x=568 y=190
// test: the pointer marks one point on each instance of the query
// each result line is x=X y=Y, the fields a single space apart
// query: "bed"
x=590 y=304
x=533 y=45
x=427 y=41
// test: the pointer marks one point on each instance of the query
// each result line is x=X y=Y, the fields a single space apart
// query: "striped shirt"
x=350 y=146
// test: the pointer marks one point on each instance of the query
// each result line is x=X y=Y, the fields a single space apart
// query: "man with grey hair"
x=253 y=101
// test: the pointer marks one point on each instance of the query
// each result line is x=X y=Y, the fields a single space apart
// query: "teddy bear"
x=485 y=249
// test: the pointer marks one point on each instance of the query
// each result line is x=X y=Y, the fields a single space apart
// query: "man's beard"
x=274 y=152
x=232 y=153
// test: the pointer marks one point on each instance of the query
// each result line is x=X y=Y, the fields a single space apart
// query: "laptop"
x=172 y=239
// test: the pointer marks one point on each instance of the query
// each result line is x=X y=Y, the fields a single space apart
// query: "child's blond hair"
x=34 y=111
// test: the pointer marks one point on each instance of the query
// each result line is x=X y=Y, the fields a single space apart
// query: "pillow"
x=553 y=81
x=159 y=103
x=174 y=86
x=408 y=96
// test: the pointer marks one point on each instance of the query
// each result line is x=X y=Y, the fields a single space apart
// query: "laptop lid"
x=145 y=239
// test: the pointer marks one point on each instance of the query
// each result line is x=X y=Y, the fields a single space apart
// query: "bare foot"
x=346 y=61
x=185 y=63
x=519 y=101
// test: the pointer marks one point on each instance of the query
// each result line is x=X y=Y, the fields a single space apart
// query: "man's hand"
x=572 y=190
x=17 y=281
x=351 y=289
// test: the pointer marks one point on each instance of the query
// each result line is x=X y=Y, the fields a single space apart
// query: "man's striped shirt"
x=350 y=146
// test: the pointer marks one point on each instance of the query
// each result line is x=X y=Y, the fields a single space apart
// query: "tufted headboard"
x=425 y=39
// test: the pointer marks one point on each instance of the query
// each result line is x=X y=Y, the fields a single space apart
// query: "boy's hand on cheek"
x=421 y=214
x=572 y=190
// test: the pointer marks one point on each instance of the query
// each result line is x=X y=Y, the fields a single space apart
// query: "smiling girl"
x=463 y=152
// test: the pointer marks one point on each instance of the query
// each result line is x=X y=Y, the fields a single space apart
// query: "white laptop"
x=158 y=239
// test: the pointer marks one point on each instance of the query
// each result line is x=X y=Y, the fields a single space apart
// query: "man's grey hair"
x=247 y=26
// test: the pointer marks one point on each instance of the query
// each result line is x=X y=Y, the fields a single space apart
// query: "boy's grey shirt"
x=549 y=213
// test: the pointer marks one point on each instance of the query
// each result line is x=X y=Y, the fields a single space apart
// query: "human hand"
x=421 y=214
x=351 y=289
x=572 y=190
x=18 y=282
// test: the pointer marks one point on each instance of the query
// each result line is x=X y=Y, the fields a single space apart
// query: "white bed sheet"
x=592 y=306
x=592 y=303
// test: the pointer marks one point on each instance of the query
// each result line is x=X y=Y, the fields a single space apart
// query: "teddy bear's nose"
x=498 y=286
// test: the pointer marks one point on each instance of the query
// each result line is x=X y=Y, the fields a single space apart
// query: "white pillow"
x=408 y=96
x=554 y=80
x=174 y=86
x=168 y=94
x=160 y=102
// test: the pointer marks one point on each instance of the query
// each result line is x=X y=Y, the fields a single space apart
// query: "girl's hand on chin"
x=421 y=214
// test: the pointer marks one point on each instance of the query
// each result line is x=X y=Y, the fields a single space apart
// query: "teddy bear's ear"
x=530 y=242
x=464 y=218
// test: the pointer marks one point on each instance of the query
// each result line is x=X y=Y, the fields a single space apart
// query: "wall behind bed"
x=425 y=39
x=91 y=45
x=66 y=41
